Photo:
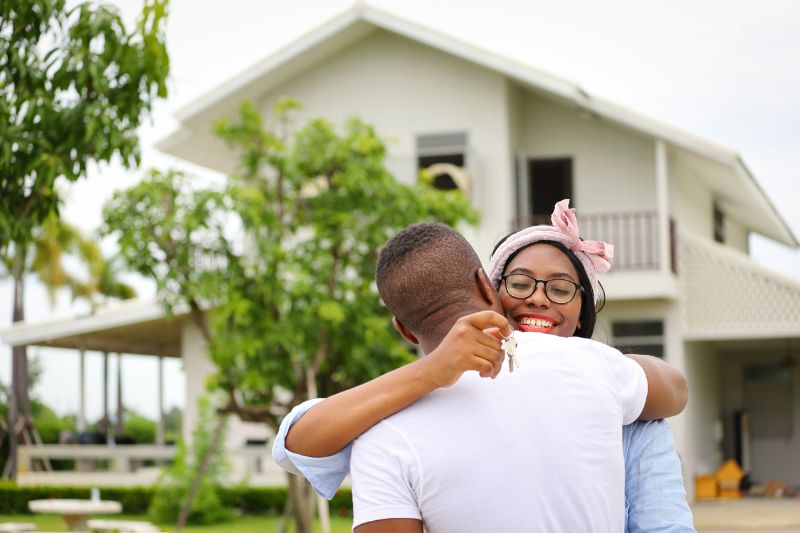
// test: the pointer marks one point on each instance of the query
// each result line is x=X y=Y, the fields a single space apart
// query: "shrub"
x=173 y=487
x=137 y=500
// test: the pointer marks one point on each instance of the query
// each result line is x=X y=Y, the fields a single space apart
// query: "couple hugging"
x=569 y=441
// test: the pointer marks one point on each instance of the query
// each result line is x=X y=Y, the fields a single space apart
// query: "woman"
x=547 y=280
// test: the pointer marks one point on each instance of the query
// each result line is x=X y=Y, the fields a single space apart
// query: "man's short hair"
x=424 y=270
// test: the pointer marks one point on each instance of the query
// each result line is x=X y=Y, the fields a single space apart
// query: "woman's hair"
x=588 y=314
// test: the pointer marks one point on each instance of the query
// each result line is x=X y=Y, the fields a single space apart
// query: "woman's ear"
x=403 y=330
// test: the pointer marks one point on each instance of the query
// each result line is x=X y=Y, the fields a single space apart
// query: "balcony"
x=728 y=296
x=634 y=235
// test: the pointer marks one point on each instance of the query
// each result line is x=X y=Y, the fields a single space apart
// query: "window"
x=768 y=400
x=444 y=155
x=549 y=181
x=643 y=337
x=719 y=224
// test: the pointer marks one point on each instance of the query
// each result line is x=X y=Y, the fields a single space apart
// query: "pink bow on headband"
x=598 y=252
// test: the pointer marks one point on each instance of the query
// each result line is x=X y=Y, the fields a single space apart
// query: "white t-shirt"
x=539 y=449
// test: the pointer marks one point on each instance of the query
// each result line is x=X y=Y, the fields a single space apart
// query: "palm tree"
x=44 y=257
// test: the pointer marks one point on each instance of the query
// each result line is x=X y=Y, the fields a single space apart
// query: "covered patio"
x=132 y=328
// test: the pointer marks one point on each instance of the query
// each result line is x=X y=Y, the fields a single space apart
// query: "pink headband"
x=595 y=256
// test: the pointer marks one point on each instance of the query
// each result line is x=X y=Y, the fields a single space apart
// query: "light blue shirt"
x=655 y=498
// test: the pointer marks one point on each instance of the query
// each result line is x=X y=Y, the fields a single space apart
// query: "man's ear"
x=403 y=330
x=487 y=289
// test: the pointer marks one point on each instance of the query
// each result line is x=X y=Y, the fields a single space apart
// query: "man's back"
x=536 y=450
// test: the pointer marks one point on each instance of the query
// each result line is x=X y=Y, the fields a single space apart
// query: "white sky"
x=726 y=70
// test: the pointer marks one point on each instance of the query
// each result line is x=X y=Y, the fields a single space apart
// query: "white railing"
x=726 y=295
x=105 y=465
x=634 y=235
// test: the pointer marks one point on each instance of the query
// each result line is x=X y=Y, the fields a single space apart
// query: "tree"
x=74 y=86
x=285 y=255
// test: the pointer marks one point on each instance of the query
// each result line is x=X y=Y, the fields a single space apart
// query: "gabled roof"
x=134 y=327
x=194 y=140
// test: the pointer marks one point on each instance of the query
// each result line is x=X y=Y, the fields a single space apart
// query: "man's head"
x=428 y=276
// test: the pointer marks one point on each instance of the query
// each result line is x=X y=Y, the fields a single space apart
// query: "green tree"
x=285 y=255
x=75 y=85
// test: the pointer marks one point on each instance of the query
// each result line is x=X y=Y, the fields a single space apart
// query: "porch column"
x=82 y=393
x=160 y=429
x=120 y=405
x=662 y=207
x=105 y=394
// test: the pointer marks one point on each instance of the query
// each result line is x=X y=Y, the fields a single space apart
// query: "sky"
x=724 y=70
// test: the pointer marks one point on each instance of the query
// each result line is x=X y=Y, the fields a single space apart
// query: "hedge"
x=136 y=500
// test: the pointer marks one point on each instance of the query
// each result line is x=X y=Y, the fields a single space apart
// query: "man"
x=538 y=450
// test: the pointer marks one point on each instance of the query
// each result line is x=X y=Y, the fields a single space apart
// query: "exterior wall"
x=737 y=236
x=691 y=202
x=607 y=158
x=198 y=366
x=405 y=89
x=771 y=458
x=702 y=453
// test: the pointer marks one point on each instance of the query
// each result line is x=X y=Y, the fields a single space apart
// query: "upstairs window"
x=719 y=224
x=549 y=181
x=444 y=156
x=640 y=337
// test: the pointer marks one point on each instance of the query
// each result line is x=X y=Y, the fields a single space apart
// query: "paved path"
x=749 y=514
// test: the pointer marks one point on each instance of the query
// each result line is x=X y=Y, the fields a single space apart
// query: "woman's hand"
x=473 y=343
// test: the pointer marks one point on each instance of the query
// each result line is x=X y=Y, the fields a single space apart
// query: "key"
x=509 y=347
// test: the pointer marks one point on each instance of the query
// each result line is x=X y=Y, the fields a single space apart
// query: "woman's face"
x=536 y=313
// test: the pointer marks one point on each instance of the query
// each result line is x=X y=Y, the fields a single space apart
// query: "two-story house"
x=515 y=140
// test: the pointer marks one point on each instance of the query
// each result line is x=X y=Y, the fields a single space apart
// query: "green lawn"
x=245 y=524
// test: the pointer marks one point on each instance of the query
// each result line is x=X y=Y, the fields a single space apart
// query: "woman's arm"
x=668 y=391
x=337 y=421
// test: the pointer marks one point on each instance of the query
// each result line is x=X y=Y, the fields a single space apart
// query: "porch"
x=741 y=332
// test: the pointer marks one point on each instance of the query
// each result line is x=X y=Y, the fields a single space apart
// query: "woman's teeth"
x=536 y=322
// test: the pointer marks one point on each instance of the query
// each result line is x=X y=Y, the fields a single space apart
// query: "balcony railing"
x=634 y=235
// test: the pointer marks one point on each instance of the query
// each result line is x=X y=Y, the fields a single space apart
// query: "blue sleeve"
x=655 y=496
x=324 y=473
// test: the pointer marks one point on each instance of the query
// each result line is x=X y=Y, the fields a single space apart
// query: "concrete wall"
x=737 y=236
x=405 y=89
x=197 y=366
x=691 y=202
x=772 y=458
x=702 y=453
x=607 y=158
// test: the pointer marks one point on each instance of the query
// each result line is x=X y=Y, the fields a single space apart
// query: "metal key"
x=509 y=347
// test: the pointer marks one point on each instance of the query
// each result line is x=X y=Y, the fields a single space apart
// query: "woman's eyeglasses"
x=558 y=291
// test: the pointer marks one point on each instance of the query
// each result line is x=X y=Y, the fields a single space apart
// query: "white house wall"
x=198 y=367
x=737 y=236
x=691 y=201
x=607 y=158
x=405 y=89
x=702 y=453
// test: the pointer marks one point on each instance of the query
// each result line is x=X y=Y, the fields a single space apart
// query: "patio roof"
x=137 y=327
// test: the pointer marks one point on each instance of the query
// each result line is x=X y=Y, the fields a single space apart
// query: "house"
x=515 y=140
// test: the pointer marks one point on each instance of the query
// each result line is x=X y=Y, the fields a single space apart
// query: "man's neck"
x=431 y=341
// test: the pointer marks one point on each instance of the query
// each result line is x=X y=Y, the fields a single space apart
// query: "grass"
x=244 y=524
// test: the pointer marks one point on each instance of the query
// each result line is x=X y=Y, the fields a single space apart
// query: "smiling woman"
x=542 y=292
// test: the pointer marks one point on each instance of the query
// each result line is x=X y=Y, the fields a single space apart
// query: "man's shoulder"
x=543 y=343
